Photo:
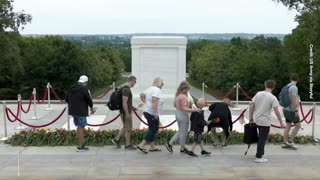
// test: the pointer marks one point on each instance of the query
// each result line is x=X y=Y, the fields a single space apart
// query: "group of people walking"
x=79 y=99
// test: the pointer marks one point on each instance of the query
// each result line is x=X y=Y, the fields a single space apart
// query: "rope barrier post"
x=203 y=90
x=236 y=108
x=34 y=92
x=48 y=88
x=20 y=127
x=313 y=118
x=237 y=96
x=4 y=122
x=68 y=117
x=113 y=86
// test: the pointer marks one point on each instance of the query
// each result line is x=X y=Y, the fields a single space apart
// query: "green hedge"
x=61 y=137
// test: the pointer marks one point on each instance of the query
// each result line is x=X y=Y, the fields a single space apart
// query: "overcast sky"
x=156 y=16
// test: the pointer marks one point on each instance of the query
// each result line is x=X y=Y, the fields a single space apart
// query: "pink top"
x=181 y=101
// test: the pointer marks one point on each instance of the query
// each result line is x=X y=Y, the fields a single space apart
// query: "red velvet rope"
x=162 y=127
x=34 y=126
x=18 y=111
x=244 y=92
x=225 y=96
x=44 y=97
x=56 y=95
x=29 y=106
x=103 y=124
x=240 y=116
x=99 y=97
x=301 y=109
x=304 y=119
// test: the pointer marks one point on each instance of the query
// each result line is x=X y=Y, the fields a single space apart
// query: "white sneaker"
x=286 y=145
x=293 y=145
x=261 y=160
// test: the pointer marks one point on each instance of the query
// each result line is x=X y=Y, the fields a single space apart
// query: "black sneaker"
x=169 y=147
x=185 y=150
x=224 y=145
x=215 y=145
x=82 y=148
x=130 y=147
x=203 y=152
x=190 y=153
x=116 y=143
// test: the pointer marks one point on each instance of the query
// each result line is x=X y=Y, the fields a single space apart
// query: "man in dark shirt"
x=79 y=99
x=126 y=115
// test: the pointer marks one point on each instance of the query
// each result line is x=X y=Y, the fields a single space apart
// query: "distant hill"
x=126 y=37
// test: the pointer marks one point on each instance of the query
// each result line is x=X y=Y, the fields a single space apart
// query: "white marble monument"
x=158 y=56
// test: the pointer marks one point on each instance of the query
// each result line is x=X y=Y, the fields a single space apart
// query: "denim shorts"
x=197 y=138
x=80 y=121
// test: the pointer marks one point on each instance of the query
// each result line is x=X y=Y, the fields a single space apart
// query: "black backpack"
x=250 y=135
x=115 y=101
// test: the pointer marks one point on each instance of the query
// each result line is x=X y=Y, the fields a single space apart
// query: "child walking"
x=197 y=126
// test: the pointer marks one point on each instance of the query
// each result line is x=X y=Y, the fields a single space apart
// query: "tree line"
x=27 y=62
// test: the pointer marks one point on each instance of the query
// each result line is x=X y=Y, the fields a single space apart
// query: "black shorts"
x=291 y=117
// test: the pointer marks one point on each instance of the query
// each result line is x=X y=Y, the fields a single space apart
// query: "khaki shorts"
x=127 y=124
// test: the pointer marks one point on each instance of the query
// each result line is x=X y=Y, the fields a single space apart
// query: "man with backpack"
x=262 y=104
x=126 y=115
x=291 y=111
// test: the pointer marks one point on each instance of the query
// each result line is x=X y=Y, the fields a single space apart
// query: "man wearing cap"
x=126 y=115
x=79 y=99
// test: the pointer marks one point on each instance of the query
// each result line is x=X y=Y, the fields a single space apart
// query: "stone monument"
x=158 y=56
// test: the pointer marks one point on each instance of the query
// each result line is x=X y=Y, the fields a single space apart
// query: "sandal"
x=154 y=150
x=142 y=150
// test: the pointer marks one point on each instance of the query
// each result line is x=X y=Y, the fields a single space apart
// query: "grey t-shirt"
x=293 y=91
x=264 y=103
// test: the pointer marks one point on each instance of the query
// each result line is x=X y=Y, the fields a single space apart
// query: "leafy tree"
x=10 y=20
x=296 y=45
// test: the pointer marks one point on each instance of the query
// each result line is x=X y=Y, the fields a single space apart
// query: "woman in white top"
x=152 y=107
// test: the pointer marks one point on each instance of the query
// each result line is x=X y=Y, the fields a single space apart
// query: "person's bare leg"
x=201 y=146
x=143 y=143
x=80 y=136
x=121 y=132
x=152 y=146
x=223 y=138
x=193 y=147
x=286 y=132
x=214 y=136
x=295 y=131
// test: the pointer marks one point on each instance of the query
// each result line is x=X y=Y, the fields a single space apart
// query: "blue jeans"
x=153 y=127
x=80 y=121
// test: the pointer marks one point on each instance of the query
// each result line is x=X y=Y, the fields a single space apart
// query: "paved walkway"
x=110 y=163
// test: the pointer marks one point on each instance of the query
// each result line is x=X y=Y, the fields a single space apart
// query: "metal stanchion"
x=203 y=90
x=68 y=118
x=4 y=122
x=237 y=99
x=34 y=104
x=48 y=89
x=313 y=119
x=20 y=127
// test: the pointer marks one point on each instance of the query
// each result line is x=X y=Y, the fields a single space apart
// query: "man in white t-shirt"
x=153 y=101
x=262 y=104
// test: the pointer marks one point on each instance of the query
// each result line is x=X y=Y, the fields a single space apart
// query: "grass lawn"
x=101 y=91
x=198 y=85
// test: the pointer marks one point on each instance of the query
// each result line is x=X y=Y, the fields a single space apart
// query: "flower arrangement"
x=62 y=137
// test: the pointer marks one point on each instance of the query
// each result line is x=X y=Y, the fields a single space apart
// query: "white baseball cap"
x=83 y=79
